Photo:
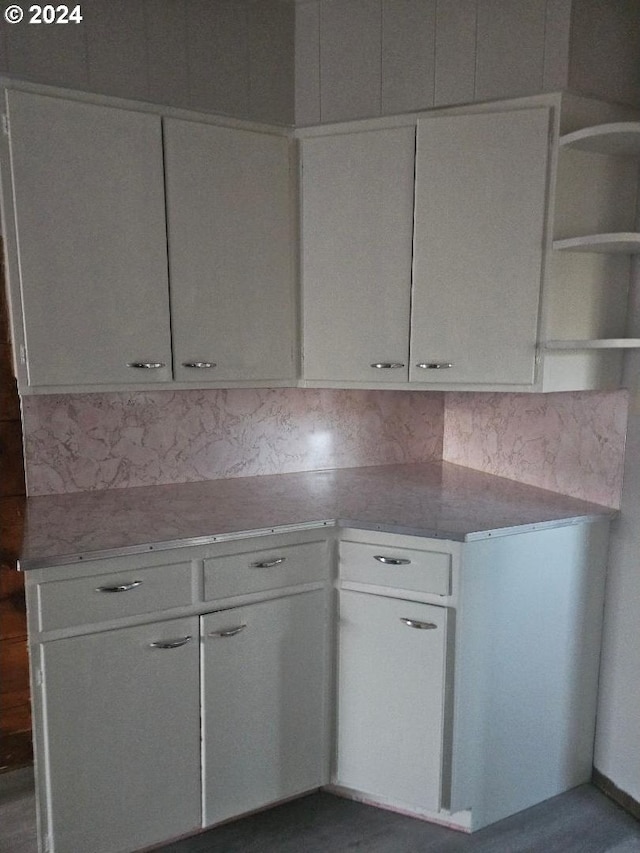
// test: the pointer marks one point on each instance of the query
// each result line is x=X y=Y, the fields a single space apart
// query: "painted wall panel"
x=605 y=49
x=166 y=31
x=556 y=45
x=307 y=63
x=218 y=56
x=510 y=47
x=408 y=54
x=116 y=48
x=350 y=59
x=54 y=54
x=271 y=61
x=455 y=65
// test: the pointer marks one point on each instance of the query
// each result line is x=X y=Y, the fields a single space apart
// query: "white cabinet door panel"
x=122 y=729
x=230 y=253
x=357 y=223
x=263 y=696
x=479 y=231
x=89 y=207
x=391 y=679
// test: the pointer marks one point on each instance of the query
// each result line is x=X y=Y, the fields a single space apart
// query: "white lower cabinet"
x=263 y=699
x=391 y=679
x=176 y=690
x=121 y=737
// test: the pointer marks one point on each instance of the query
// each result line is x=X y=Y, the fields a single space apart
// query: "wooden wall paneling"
x=271 y=32
x=54 y=54
x=218 y=56
x=307 y=63
x=116 y=48
x=408 y=55
x=166 y=34
x=510 y=46
x=11 y=462
x=455 y=64
x=350 y=59
x=557 y=34
x=15 y=710
x=605 y=46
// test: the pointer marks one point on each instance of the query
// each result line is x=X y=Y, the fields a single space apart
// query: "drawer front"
x=258 y=571
x=404 y=568
x=82 y=601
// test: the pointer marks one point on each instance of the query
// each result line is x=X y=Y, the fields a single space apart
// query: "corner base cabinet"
x=468 y=672
x=175 y=689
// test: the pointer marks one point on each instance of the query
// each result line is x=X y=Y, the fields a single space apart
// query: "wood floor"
x=581 y=821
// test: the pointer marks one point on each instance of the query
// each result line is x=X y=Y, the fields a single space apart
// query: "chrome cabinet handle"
x=146 y=365
x=434 y=365
x=171 y=644
x=268 y=564
x=392 y=561
x=199 y=365
x=413 y=623
x=229 y=632
x=387 y=365
x=123 y=587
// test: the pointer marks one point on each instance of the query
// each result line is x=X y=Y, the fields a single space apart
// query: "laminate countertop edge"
x=431 y=500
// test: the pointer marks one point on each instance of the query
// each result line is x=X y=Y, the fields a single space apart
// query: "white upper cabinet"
x=357 y=223
x=230 y=253
x=90 y=227
x=479 y=234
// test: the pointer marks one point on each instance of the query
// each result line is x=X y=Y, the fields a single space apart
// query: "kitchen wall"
x=233 y=57
x=364 y=58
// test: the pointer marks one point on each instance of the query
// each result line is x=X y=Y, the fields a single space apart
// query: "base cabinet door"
x=263 y=703
x=121 y=724
x=391 y=680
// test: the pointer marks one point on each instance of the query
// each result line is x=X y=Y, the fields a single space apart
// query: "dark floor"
x=581 y=821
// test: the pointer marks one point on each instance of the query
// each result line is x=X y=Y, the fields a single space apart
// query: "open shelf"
x=600 y=343
x=621 y=139
x=624 y=242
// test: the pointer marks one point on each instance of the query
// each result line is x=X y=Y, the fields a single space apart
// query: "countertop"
x=438 y=500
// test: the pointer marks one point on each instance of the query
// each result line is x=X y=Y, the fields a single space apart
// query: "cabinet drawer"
x=404 y=568
x=82 y=601
x=257 y=571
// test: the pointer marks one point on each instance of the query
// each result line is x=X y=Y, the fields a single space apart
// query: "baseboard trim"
x=616 y=794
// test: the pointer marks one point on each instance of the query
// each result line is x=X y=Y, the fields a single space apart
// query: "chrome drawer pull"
x=123 y=587
x=268 y=564
x=147 y=365
x=392 y=561
x=387 y=365
x=230 y=632
x=199 y=364
x=435 y=365
x=413 y=623
x=171 y=644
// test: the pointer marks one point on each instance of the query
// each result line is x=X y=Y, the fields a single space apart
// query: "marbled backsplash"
x=104 y=441
x=569 y=443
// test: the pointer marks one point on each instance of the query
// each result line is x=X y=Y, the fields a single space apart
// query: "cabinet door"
x=357 y=223
x=121 y=722
x=263 y=703
x=479 y=232
x=89 y=207
x=391 y=678
x=230 y=252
